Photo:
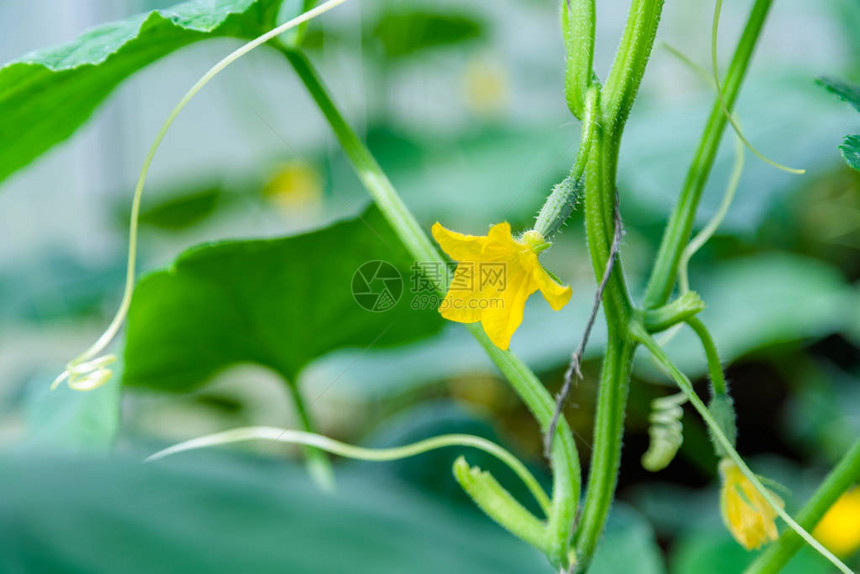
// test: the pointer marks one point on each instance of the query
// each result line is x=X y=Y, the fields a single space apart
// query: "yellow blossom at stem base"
x=839 y=529
x=747 y=515
x=495 y=276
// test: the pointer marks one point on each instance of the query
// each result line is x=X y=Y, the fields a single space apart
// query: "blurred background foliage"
x=461 y=103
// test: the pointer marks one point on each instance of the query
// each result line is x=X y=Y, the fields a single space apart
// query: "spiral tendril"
x=666 y=431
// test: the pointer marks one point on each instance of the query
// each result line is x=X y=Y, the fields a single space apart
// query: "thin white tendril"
x=88 y=371
x=359 y=453
x=714 y=29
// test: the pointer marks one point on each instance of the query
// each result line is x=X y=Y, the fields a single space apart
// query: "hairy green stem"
x=715 y=369
x=577 y=27
x=840 y=479
x=565 y=461
x=616 y=101
x=677 y=233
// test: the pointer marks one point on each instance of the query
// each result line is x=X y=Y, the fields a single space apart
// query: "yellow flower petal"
x=501 y=320
x=556 y=295
x=746 y=514
x=495 y=276
x=458 y=246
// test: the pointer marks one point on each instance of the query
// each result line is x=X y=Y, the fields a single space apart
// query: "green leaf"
x=848 y=92
x=179 y=212
x=71 y=421
x=709 y=551
x=53 y=286
x=850 y=149
x=279 y=303
x=221 y=515
x=628 y=545
x=46 y=95
x=404 y=31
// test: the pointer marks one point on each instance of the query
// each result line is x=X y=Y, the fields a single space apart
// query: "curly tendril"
x=666 y=431
x=88 y=371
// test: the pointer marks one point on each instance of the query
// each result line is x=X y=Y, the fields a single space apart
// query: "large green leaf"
x=223 y=515
x=279 y=303
x=46 y=95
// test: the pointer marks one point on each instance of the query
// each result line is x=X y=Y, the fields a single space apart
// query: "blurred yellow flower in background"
x=495 y=276
x=746 y=513
x=295 y=186
x=485 y=85
x=839 y=529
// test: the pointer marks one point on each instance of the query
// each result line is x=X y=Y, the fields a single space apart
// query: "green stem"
x=684 y=307
x=577 y=27
x=565 y=461
x=715 y=369
x=841 y=478
x=624 y=78
x=680 y=225
x=600 y=218
x=319 y=465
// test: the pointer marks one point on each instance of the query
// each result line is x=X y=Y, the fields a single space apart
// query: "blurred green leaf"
x=279 y=303
x=76 y=77
x=760 y=301
x=850 y=149
x=71 y=421
x=824 y=413
x=628 y=545
x=181 y=210
x=404 y=31
x=848 y=92
x=214 y=514
x=56 y=286
x=709 y=551
x=659 y=144
x=226 y=517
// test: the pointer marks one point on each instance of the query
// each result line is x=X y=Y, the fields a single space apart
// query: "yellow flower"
x=747 y=515
x=495 y=275
x=839 y=529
